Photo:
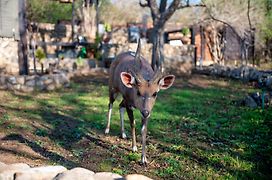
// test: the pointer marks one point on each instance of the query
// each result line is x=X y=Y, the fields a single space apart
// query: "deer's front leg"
x=144 y=132
x=107 y=130
x=132 y=125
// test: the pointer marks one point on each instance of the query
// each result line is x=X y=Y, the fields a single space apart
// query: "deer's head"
x=145 y=91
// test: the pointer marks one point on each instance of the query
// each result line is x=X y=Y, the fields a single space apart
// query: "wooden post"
x=202 y=47
x=192 y=30
x=22 y=44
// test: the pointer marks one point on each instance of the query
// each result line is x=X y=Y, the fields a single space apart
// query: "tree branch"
x=152 y=4
x=248 y=14
x=170 y=11
x=163 y=5
x=223 y=22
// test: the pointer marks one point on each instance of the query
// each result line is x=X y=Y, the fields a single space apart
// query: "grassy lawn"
x=196 y=131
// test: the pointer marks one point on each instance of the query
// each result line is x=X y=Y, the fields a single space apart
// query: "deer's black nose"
x=145 y=113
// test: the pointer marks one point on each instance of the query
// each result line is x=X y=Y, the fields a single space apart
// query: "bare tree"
x=216 y=37
x=160 y=14
x=242 y=17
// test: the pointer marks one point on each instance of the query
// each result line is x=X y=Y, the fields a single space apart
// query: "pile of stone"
x=254 y=100
x=244 y=73
x=262 y=79
x=58 y=77
x=31 y=83
x=21 y=171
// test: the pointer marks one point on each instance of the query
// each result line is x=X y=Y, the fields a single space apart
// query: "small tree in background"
x=40 y=55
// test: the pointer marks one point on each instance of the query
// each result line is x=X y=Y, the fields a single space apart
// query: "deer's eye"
x=155 y=94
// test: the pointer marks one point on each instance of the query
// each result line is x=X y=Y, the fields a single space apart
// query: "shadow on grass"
x=186 y=115
x=41 y=150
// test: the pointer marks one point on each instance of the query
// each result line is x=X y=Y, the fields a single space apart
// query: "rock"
x=257 y=98
x=12 y=80
x=235 y=73
x=60 y=79
x=2 y=80
x=268 y=83
x=7 y=171
x=27 y=89
x=16 y=87
x=31 y=77
x=50 y=87
x=107 y=176
x=249 y=101
x=76 y=173
x=39 y=173
x=47 y=81
x=30 y=83
x=2 y=164
x=136 y=177
x=40 y=85
x=21 y=80
x=3 y=87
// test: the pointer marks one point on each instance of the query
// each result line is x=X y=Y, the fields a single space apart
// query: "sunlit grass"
x=194 y=133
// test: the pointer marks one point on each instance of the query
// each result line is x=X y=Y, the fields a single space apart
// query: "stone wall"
x=58 y=75
x=9 y=56
x=35 y=82
x=243 y=73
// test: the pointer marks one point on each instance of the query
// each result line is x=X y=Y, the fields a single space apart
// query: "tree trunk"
x=22 y=44
x=157 y=49
x=73 y=21
x=42 y=68
x=202 y=47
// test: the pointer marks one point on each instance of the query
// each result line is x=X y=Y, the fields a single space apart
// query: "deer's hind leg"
x=112 y=96
x=122 y=108
x=132 y=125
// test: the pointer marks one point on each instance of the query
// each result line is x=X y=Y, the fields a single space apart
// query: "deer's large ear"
x=166 y=82
x=127 y=79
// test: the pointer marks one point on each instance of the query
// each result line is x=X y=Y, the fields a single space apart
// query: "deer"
x=133 y=77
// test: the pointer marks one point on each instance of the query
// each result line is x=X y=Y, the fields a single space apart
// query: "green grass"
x=194 y=132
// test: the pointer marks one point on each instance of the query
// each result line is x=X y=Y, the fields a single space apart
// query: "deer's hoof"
x=107 y=130
x=144 y=161
x=124 y=136
x=134 y=148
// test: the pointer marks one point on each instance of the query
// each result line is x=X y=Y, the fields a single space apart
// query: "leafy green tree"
x=267 y=29
x=48 y=11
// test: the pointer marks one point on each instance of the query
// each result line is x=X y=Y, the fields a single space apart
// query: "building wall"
x=9 y=56
x=9 y=24
x=233 y=46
